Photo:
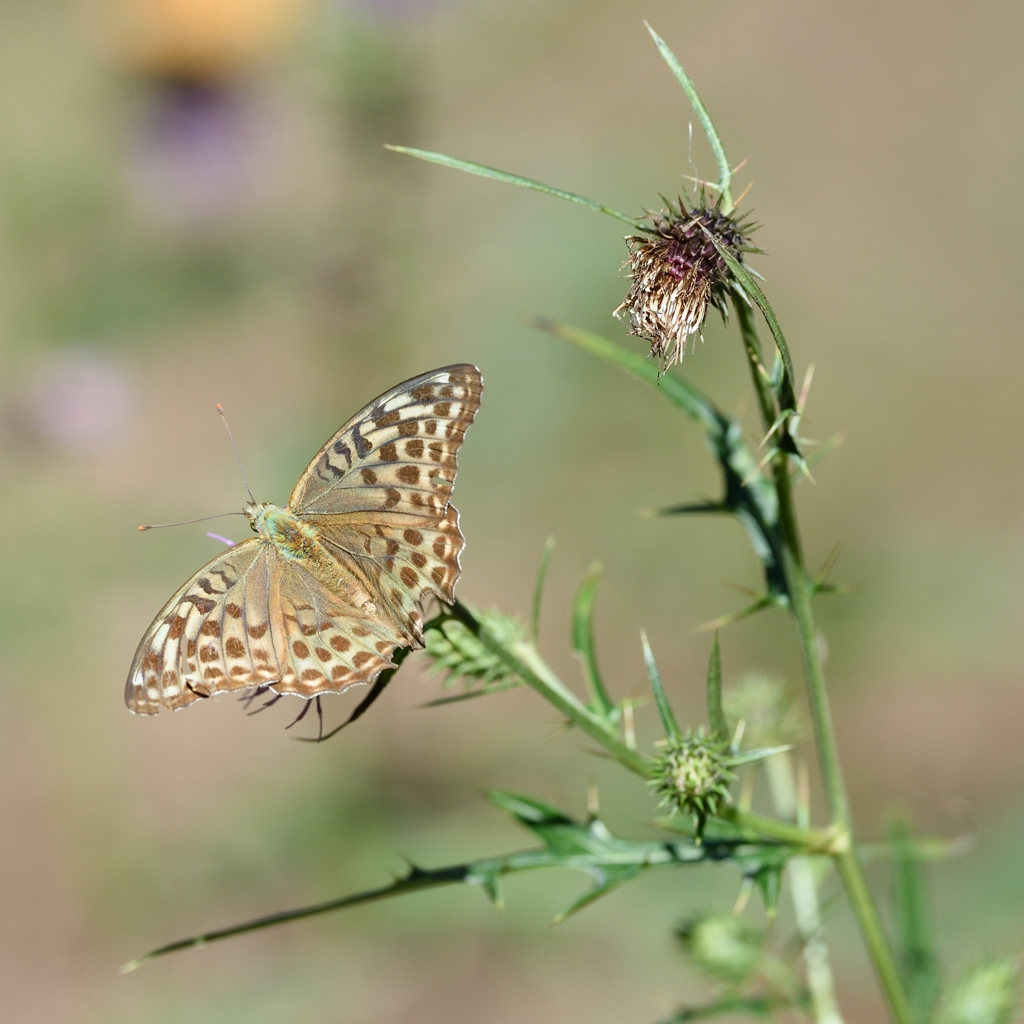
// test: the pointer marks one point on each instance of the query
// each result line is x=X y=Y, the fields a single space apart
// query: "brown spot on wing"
x=257 y=630
x=409 y=475
x=340 y=643
x=388 y=452
x=234 y=648
x=300 y=649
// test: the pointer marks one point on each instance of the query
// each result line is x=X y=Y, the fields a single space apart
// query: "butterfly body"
x=331 y=584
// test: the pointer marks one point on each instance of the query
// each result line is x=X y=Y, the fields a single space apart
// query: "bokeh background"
x=195 y=208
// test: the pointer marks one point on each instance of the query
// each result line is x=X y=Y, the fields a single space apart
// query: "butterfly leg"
x=248 y=698
x=269 y=704
x=301 y=715
x=320 y=717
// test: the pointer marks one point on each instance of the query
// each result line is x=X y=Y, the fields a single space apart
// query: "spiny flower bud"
x=988 y=994
x=677 y=272
x=723 y=946
x=766 y=707
x=693 y=775
x=456 y=650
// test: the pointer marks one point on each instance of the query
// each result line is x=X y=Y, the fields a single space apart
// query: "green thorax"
x=292 y=537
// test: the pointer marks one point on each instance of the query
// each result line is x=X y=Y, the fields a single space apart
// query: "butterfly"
x=333 y=582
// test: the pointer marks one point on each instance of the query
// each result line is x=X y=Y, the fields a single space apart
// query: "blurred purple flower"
x=198 y=155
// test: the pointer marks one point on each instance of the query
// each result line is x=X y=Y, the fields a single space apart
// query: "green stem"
x=525 y=661
x=814 y=840
x=857 y=892
x=769 y=413
x=801 y=590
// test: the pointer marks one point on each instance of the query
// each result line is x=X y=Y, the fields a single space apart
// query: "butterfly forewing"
x=378 y=492
x=377 y=495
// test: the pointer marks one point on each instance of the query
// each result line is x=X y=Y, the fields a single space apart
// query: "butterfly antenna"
x=238 y=458
x=187 y=522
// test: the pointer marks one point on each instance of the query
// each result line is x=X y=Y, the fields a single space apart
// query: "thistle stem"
x=769 y=413
x=800 y=590
x=524 y=660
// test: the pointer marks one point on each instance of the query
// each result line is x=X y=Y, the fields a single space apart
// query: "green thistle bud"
x=768 y=710
x=987 y=994
x=693 y=775
x=722 y=946
x=677 y=273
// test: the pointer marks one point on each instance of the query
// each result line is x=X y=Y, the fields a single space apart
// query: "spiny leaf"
x=730 y=617
x=724 y=170
x=538 y=590
x=915 y=942
x=583 y=643
x=668 y=719
x=567 y=843
x=716 y=716
x=514 y=179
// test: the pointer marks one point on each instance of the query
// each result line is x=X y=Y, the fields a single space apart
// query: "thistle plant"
x=685 y=257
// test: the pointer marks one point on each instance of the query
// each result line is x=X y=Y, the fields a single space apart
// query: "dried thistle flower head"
x=677 y=273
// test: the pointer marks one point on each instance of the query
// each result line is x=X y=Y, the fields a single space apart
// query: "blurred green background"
x=195 y=208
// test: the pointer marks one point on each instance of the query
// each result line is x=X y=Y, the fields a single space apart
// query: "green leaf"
x=523 y=660
x=748 y=494
x=567 y=843
x=724 y=170
x=756 y=1006
x=915 y=942
x=751 y=287
x=538 y=590
x=668 y=719
x=583 y=643
x=682 y=394
x=716 y=716
x=514 y=179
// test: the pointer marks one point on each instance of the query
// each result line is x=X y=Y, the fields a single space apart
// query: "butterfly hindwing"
x=251 y=618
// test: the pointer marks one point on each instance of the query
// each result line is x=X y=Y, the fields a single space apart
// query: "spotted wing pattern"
x=378 y=496
x=251 y=618
x=378 y=492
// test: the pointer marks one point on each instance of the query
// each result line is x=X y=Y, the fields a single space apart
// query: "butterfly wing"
x=378 y=495
x=249 y=618
x=378 y=492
